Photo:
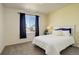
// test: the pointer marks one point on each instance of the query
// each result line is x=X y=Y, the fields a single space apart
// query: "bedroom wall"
x=1 y=29
x=68 y=15
x=12 y=26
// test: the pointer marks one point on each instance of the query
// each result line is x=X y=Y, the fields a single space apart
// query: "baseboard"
x=76 y=45
x=17 y=43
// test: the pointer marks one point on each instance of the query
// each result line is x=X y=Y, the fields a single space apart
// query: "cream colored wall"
x=42 y=24
x=68 y=15
x=1 y=29
x=12 y=26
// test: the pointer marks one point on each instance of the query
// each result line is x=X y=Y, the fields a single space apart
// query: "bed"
x=53 y=44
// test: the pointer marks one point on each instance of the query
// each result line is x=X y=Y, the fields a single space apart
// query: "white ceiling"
x=36 y=7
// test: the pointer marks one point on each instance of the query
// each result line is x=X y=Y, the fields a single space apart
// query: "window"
x=30 y=24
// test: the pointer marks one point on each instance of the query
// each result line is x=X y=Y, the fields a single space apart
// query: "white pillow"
x=57 y=33
x=66 y=33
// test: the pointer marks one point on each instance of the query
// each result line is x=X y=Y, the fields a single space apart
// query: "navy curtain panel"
x=22 y=26
x=37 y=26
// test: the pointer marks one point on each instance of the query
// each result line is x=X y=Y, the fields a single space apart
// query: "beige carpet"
x=23 y=49
x=29 y=49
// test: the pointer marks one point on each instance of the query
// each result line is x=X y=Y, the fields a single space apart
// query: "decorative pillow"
x=58 y=33
x=66 y=33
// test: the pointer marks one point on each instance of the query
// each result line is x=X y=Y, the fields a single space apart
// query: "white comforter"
x=53 y=45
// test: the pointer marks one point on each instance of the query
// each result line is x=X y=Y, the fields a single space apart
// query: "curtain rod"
x=26 y=14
